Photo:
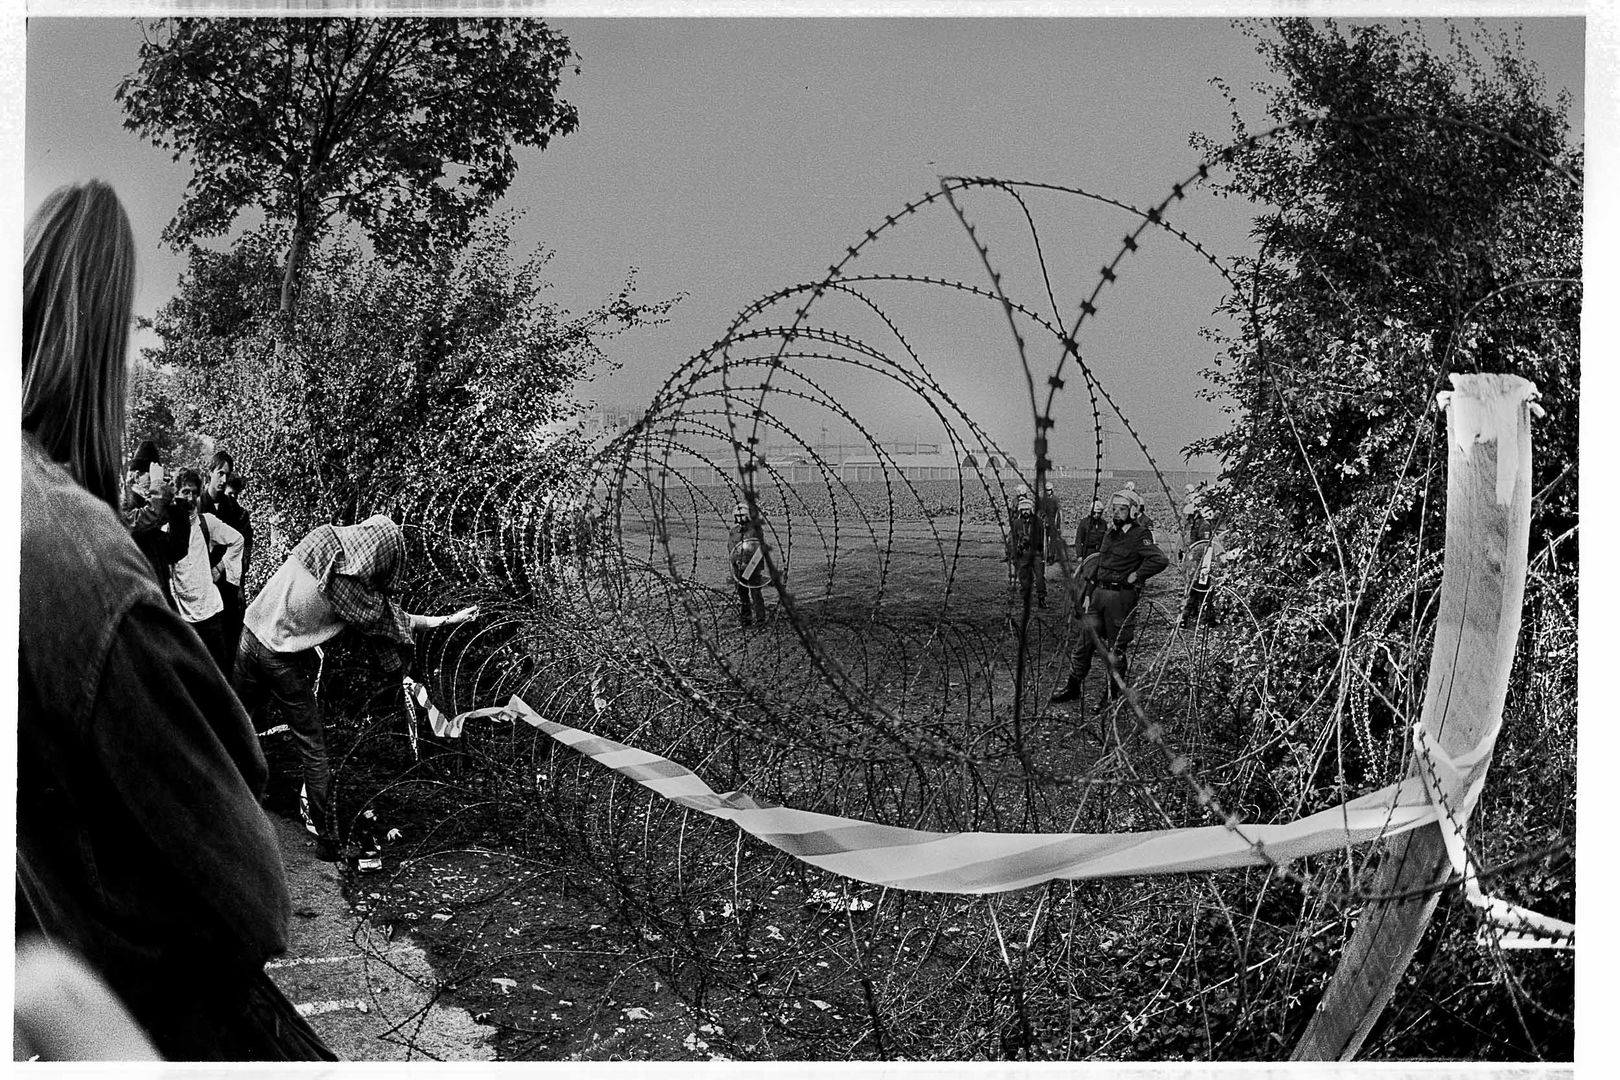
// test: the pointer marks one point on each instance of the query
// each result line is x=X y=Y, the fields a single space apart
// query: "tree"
x=1417 y=215
x=1422 y=218
x=403 y=126
x=156 y=413
x=399 y=376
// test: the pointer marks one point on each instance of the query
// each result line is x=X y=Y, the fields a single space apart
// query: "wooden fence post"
x=1481 y=596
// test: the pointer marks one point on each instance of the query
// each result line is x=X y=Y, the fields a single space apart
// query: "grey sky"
x=727 y=158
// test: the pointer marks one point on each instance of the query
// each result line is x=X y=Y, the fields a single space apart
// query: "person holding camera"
x=160 y=528
x=221 y=486
x=212 y=564
x=1027 y=545
x=339 y=577
x=1128 y=558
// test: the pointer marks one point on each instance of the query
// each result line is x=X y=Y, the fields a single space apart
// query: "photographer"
x=160 y=528
x=219 y=498
x=197 y=580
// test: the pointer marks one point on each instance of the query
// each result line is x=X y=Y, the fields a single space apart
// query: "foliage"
x=403 y=126
x=1418 y=215
x=1421 y=219
x=398 y=375
x=157 y=413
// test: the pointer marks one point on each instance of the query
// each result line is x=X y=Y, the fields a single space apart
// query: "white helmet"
x=1130 y=498
x=1021 y=490
x=739 y=512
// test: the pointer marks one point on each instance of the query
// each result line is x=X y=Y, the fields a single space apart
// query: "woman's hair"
x=78 y=292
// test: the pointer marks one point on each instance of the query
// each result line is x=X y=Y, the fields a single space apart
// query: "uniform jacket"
x=735 y=535
x=140 y=841
x=1089 y=537
x=1027 y=535
x=1128 y=550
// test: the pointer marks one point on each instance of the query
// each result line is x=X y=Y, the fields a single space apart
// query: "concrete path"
x=370 y=998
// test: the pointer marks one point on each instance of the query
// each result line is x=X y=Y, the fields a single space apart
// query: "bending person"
x=339 y=577
x=140 y=841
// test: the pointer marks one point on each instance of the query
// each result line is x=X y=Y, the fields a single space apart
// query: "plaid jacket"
x=355 y=568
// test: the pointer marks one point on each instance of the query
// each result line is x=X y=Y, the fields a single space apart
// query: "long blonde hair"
x=78 y=294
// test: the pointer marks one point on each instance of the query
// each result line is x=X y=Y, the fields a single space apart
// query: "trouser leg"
x=234 y=609
x=1118 y=607
x=285 y=682
x=745 y=606
x=215 y=639
x=1090 y=627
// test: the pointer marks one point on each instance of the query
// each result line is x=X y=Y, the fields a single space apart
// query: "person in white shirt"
x=193 y=578
x=339 y=577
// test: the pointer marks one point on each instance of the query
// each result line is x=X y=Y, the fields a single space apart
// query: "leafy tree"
x=400 y=375
x=1422 y=218
x=156 y=413
x=1418 y=215
x=403 y=126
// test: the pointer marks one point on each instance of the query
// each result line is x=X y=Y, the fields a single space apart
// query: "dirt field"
x=546 y=948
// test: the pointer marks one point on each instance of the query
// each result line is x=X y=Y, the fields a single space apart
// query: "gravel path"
x=370 y=998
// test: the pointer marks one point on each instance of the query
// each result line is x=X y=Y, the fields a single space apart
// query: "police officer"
x=1129 y=558
x=1051 y=513
x=1088 y=538
x=1027 y=542
x=746 y=543
x=1201 y=565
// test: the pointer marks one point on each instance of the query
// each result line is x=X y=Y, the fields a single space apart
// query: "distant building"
x=930 y=466
x=601 y=423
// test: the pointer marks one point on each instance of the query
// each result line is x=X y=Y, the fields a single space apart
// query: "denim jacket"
x=140 y=840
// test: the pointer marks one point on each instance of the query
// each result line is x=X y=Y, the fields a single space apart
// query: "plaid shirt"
x=355 y=568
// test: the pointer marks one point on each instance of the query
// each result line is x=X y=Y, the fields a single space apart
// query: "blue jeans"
x=281 y=686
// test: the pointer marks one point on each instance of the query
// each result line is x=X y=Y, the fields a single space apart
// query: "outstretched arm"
x=420 y=623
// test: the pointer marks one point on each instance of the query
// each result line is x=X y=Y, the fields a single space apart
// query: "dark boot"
x=1070 y=691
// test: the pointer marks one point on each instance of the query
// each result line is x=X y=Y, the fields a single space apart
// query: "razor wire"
x=901 y=679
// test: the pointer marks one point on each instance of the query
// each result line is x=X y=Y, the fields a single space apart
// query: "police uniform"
x=746 y=545
x=1051 y=514
x=1201 y=555
x=1129 y=558
x=1088 y=538
x=1028 y=543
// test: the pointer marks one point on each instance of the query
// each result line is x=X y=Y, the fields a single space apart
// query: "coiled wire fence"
x=901 y=677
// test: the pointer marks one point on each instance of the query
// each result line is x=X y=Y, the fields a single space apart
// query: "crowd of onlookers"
x=151 y=886
x=194 y=530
